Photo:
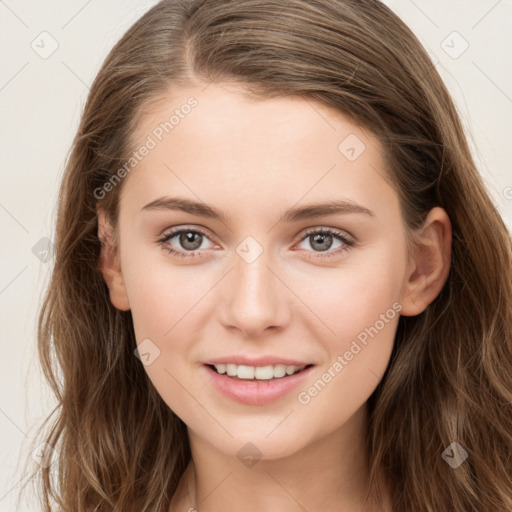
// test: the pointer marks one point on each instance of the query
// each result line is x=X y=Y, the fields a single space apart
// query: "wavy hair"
x=119 y=447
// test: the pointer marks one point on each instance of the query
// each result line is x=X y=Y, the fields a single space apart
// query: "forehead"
x=225 y=112
x=214 y=141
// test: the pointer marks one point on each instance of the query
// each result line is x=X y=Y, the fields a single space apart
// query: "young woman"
x=280 y=283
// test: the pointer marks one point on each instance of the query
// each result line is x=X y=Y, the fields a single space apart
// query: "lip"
x=257 y=361
x=253 y=392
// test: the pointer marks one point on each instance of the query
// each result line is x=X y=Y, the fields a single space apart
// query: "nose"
x=253 y=298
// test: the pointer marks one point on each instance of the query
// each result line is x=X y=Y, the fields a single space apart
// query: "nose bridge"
x=253 y=298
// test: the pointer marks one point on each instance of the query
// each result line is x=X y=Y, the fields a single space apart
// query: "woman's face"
x=261 y=275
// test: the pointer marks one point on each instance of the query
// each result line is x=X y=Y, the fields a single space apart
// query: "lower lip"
x=256 y=392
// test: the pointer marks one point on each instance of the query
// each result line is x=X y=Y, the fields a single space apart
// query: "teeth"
x=257 y=372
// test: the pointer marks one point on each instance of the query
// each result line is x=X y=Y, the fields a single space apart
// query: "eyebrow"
x=294 y=214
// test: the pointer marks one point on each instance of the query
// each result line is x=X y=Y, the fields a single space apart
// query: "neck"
x=329 y=473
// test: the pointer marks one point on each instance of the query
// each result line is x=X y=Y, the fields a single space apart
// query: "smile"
x=268 y=372
x=256 y=385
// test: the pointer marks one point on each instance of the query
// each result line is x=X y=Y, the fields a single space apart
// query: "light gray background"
x=40 y=104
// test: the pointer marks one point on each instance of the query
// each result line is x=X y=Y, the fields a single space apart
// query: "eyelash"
x=348 y=244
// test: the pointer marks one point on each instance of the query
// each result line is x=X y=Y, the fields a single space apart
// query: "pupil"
x=320 y=239
x=188 y=238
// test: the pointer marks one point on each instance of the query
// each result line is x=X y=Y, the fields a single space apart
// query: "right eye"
x=189 y=241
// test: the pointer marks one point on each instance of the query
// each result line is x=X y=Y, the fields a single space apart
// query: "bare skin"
x=303 y=297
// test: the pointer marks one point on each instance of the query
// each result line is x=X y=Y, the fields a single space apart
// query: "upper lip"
x=256 y=361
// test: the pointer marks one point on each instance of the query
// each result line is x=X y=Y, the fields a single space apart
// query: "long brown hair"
x=118 y=446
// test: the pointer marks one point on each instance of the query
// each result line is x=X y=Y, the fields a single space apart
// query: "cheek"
x=162 y=296
x=162 y=300
x=356 y=294
x=359 y=302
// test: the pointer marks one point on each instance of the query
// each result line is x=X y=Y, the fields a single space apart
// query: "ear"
x=109 y=264
x=429 y=263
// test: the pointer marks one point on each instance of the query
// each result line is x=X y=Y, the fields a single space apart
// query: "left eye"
x=322 y=240
x=191 y=240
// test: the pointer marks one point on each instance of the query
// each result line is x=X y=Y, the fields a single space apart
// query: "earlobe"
x=429 y=265
x=109 y=264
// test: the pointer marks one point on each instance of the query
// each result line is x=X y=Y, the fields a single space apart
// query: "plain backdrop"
x=41 y=99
